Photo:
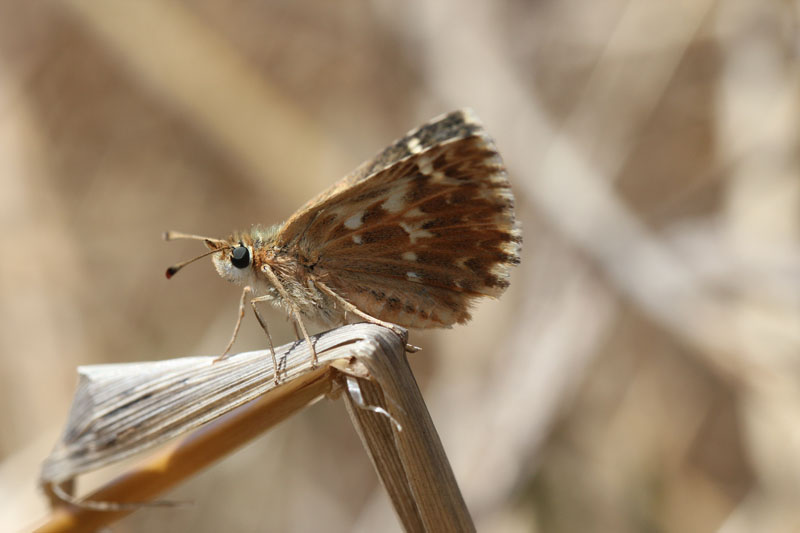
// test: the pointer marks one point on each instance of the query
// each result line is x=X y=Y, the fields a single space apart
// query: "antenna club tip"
x=167 y=235
x=171 y=272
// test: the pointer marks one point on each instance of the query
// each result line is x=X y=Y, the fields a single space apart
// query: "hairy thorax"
x=297 y=273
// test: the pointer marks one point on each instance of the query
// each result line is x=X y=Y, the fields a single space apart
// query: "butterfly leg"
x=263 y=323
x=410 y=348
x=356 y=311
x=245 y=292
x=298 y=318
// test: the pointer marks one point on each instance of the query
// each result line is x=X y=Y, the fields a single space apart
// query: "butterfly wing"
x=457 y=124
x=416 y=234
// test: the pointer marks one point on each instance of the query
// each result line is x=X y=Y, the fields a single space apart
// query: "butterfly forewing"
x=413 y=236
x=458 y=124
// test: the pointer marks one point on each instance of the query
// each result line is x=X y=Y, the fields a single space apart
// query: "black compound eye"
x=240 y=258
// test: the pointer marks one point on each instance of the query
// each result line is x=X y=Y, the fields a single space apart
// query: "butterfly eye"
x=240 y=258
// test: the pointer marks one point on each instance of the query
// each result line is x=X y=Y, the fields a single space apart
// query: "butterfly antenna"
x=171 y=271
x=173 y=235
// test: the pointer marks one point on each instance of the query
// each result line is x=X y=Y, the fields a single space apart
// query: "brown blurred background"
x=641 y=374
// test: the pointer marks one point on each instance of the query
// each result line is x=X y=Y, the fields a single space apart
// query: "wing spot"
x=413 y=276
x=409 y=256
x=414 y=146
x=425 y=165
x=357 y=239
x=355 y=221
x=396 y=201
x=415 y=233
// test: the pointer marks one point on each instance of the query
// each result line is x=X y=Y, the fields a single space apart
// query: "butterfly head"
x=233 y=257
x=234 y=262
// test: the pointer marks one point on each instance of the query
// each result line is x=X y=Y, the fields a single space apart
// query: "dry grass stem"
x=125 y=409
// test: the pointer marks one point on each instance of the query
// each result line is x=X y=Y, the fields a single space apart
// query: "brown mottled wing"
x=456 y=124
x=413 y=236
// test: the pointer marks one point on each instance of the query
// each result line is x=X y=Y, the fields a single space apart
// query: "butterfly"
x=411 y=238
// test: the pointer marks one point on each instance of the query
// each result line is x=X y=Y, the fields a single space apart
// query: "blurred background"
x=641 y=374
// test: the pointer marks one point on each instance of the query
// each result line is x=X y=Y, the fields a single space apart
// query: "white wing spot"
x=354 y=221
x=413 y=276
x=413 y=145
x=357 y=239
x=415 y=233
x=469 y=117
x=396 y=201
x=416 y=212
x=425 y=165
x=409 y=256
